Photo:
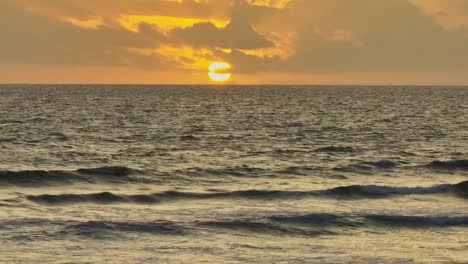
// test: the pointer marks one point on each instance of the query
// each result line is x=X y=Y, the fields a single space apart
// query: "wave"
x=368 y=167
x=259 y=226
x=108 y=171
x=449 y=165
x=336 y=149
x=237 y=171
x=96 y=227
x=299 y=170
x=314 y=224
x=100 y=198
x=109 y=198
x=31 y=178
x=383 y=164
x=325 y=224
x=461 y=189
x=324 y=220
x=320 y=219
x=343 y=192
x=37 y=177
x=418 y=221
x=376 y=191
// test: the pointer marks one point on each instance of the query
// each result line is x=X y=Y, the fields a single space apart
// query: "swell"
x=344 y=192
x=32 y=178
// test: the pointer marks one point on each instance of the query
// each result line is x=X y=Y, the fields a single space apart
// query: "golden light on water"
x=217 y=71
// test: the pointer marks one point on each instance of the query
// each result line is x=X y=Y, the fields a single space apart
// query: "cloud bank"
x=297 y=39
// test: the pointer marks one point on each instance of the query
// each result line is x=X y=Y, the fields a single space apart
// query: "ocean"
x=233 y=174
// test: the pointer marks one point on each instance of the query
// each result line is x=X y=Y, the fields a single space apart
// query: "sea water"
x=233 y=174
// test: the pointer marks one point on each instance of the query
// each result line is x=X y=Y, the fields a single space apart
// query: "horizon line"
x=232 y=84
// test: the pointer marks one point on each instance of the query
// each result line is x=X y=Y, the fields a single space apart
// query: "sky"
x=265 y=41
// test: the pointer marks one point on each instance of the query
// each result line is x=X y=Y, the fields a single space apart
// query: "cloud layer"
x=294 y=38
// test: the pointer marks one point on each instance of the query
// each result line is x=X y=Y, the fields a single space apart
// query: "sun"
x=217 y=71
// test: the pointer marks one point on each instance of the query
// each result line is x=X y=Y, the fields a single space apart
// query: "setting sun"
x=217 y=71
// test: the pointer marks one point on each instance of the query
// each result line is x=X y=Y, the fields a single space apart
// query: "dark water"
x=252 y=174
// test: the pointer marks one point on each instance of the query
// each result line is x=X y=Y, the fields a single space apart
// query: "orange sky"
x=265 y=41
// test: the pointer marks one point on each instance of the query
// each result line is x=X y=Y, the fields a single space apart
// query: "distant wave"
x=319 y=219
x=337 y=149
x=382 y=164
x=263 y=226
x=367 y=167
x=237 y=171
x=299 y=170
x=344 y=192
x=32 y=178
x=449 y=165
